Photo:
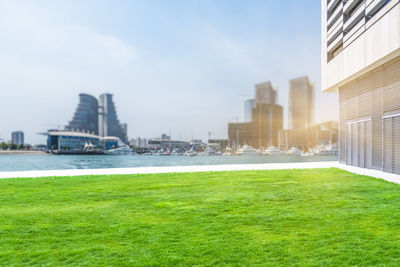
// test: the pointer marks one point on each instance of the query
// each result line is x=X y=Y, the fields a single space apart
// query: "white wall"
x=377 y=45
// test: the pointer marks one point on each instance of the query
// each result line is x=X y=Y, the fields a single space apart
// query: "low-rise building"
x=320 y=134
x=222 y=143
x=167 y=144
x=67 y=142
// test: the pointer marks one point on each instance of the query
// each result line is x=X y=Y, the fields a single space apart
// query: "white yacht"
x=191 y=153
x=271 y=151
x=307 y=154
x=247 y=150
x=123 y=150
x=228 y=152
x=294 y=151
x=329 y=151
x=176 y=152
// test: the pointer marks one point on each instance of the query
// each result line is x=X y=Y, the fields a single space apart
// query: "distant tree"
x=12 y=146
x=3 y=146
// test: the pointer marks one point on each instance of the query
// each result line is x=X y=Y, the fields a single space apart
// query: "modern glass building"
x=265 y=93
x=17 y=138
x=109 y=124
x=361 y=61
x=263 y=120
x=86 y=116
x=301 y=103
x=65 y=142
x=248 y=110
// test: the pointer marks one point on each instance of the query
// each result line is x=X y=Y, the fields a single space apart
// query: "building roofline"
x=301 y=78
x=73 y=134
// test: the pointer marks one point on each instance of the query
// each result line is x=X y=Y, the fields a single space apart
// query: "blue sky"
x=183 y=67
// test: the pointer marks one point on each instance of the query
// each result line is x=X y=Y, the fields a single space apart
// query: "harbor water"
x=52 y=162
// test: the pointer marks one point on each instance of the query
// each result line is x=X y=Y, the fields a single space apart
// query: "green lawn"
x=299 y=217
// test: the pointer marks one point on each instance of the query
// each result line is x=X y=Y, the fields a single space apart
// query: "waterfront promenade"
x=22 y=152
x=202 y=168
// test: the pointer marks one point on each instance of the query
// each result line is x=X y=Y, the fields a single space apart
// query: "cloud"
x=116 y=48
x=28 y=29
x=45 y=63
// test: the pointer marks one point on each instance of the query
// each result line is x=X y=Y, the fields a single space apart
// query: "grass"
x=290 y=217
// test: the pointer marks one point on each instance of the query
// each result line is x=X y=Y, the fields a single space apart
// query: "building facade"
x=222 y=143
x=248 y=110
x=361 y=61
x=301 y=103
x=138 y=142
x=109 y=124
x=86 y=116
x=17 y=138
x=76 y=143
x=265 y=93
x=320 y=134
x=262 y=131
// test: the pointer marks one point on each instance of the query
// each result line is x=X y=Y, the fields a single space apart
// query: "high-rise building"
x=124 y=128
x=248 y=110
x=361 y=61
x=17 y=138
x=301 y=103
x=109 y=124
x=261 y=129
x=265 y=93
x=86 y=115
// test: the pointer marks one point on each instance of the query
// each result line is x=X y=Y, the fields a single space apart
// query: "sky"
x=183 y=67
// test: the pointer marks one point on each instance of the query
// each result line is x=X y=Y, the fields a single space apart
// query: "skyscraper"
x=265 y=93
x=361 y=61
x=17 y=138
x=109 y=124
x=263 y=120
x=86 y=115
x=248 y=110
x=262 y=131
x=301 y=103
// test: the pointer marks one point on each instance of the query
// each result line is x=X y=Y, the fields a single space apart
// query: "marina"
x=65 y=162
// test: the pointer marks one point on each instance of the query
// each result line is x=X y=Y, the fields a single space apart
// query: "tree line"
x=12 y=146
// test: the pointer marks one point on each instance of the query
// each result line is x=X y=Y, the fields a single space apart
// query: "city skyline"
x=189 y=76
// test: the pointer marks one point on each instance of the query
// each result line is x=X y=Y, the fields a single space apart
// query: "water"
x=51 y=162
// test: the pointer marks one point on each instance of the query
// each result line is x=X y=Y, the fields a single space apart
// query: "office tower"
x=109 y=124
x=86 y=115
x=17 y=138
x=265 y=123
x=301 y=103
x=262 y=131
x=361 y=61
x=124 y=128
x=265 y=93
x=248 y=110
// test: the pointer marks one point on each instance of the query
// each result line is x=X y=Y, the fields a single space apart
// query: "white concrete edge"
x=390 y=177
x=168 y=169
x=387 y=176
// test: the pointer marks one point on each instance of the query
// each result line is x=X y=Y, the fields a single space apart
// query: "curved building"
x=86 y=116
x=109 y=124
